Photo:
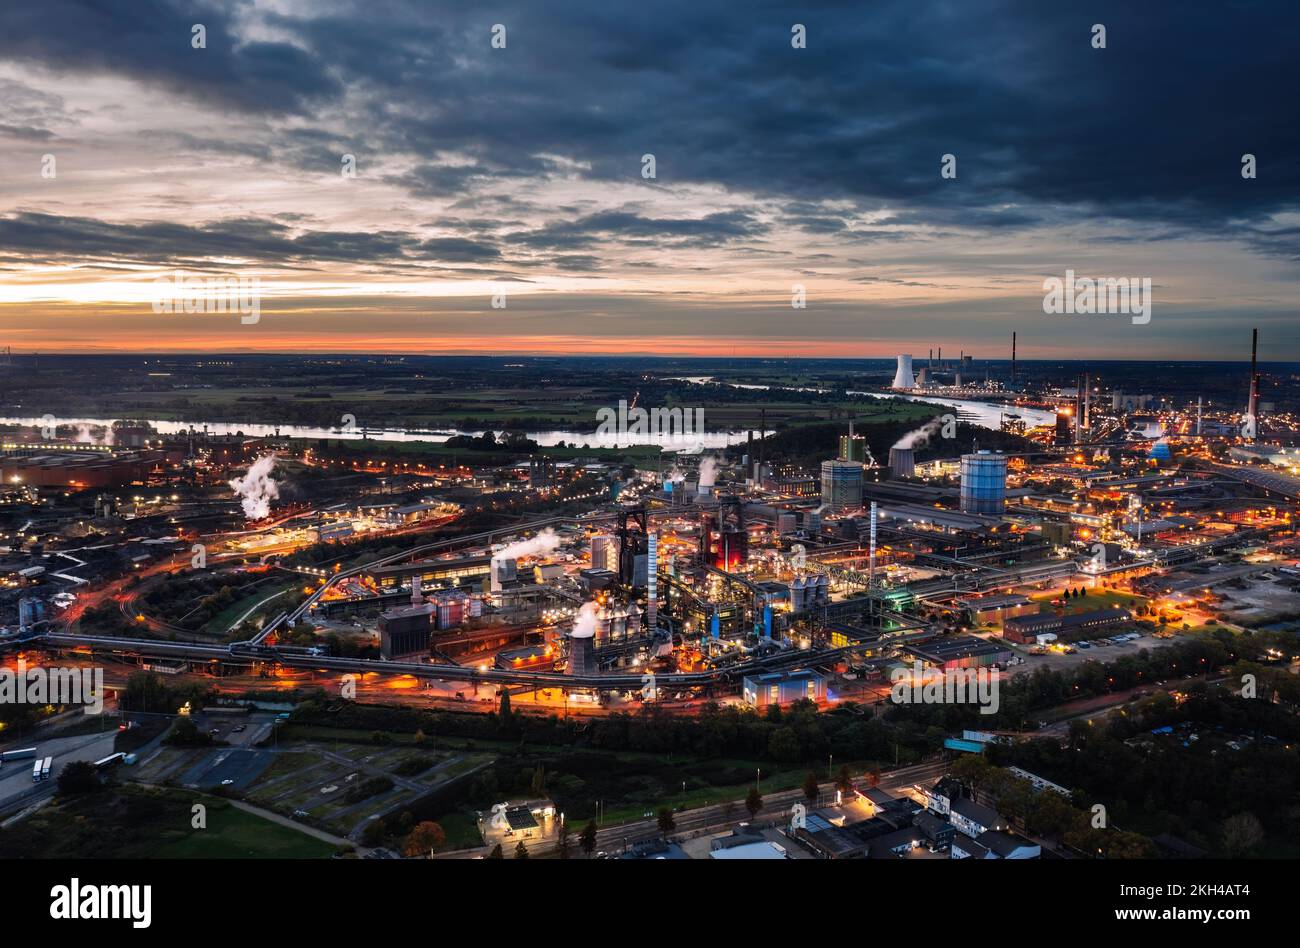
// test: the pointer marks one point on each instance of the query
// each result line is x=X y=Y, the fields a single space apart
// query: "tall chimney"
x=871 y=563
x=1252 y=406
x=1013 y=358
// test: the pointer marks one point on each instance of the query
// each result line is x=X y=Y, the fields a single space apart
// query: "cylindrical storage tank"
x=983 y=483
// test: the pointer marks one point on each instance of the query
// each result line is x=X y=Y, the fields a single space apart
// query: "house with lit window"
x=974 y=819
x=994 y=844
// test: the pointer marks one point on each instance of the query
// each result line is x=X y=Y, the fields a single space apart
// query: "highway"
x=540 y=679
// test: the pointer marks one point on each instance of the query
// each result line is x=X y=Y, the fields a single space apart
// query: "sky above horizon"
x=518 y=171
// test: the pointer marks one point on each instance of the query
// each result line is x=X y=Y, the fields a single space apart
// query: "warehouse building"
x=962 y=651
x=1024 y=629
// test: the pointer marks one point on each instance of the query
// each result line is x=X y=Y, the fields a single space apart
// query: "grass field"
x=135 y=822
x=1096 y=599
x=233 y=833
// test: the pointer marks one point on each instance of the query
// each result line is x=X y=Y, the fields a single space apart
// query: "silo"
x=983 y=483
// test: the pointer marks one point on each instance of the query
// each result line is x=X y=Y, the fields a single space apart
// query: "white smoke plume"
x=708 y=470
x=921 y=436
x=256 y=489
x=545 y=542
x=584 y=624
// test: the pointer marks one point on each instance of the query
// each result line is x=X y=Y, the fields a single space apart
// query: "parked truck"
x=25 y=753
x=36 y=771
x=45 y=768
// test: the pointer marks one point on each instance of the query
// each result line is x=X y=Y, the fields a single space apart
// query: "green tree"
x=496 y=852
x=521 y=851
x=587 y=838
x=666 y=822
x=844 y=780
x=78 y=776
x=1241 y=833
x=753 y=802
x=784 y=744
x=811 y=789
x=562 y=840
x=373 y=833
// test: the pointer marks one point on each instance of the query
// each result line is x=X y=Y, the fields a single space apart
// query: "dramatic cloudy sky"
x=520 y=169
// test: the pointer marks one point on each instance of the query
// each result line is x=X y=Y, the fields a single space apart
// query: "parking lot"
x=1094 y=652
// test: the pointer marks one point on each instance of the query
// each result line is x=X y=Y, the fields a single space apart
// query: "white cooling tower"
x=903 y=377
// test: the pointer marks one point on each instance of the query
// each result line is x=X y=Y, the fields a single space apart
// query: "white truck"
x=24 y=753
x=45 y=768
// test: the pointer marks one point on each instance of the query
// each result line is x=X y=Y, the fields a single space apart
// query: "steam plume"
x=540 y=545
x=256 y=489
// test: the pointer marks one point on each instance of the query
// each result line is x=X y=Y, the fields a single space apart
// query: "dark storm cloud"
x=628 y=227
x=150 y=40
x=52 y=238
x=459 y=250
x=1046 y=129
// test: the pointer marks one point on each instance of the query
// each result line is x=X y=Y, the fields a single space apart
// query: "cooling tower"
x=902 y=462
x=582 y=653
x=903 y=378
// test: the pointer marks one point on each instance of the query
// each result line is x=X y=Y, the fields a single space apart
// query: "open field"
x=133 y=822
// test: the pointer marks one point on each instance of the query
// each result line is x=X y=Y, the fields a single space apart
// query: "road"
x=723 y=816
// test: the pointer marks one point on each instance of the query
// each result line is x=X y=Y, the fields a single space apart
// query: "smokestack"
x=1087 y=402
x=930 y=361
x=1199 y=399
x=1252 y=406
x=1078 y=408
x=871 y=562
x=941 y=358
x=1013 y=358
x=652 y=583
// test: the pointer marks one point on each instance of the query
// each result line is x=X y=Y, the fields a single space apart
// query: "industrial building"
x=1025 y=629
x=962 y=651
x=405 y=632
x=996 y=609
x=782 y=688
